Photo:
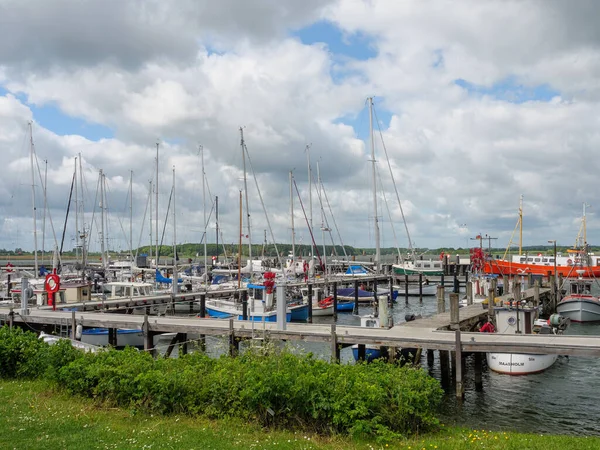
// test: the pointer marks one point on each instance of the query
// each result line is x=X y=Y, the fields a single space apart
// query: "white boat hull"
x=519 y=363
x=428 y=290
x=322 y=311
x=580 y=309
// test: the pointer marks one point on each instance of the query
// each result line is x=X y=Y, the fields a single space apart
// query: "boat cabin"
x=428 y=264
x=515 y=319
x=119 y=289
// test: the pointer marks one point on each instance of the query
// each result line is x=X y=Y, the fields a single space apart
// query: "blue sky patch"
x=360 y=121
x=356 y=46
x=510 y=90
x=53 y=119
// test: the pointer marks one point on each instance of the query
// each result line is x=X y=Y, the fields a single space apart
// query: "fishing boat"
x=373 y=352
x=349 y=295
x=320 y=307
x=577 y=258
x=523 y=319
x=579 y=304
x=424 y=267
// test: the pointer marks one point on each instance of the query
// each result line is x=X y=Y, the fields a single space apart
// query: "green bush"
x=274 y=388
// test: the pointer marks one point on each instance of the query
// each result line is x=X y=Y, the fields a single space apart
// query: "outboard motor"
x=559 y=323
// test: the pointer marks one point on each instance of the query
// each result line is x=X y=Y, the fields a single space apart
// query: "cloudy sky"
x=477 y=103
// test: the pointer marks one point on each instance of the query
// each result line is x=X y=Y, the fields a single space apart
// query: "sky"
x=475 y=105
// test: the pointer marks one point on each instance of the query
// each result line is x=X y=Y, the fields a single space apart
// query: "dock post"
x=444 y=367
x=517 y=290
x=441 y=299
x=112 y=337
x=454 y=312
x=442 y=282
x=234 y=345
x=491 y=303
x=73 y=325
x=536 y=293
x=478 y=371
x=281 y=307
x=148 y=336
x=335 y=350
x=455 y=284
x=310 y=301
x=355 y=310
x=362 y=352
x=458 y=365
x=529 y=279
x=11 y=318
x=420 y=288
x=244 y=305
x=375 y=299
x=203 y=305
x=406 y=289
x=391 y=282
x=183 y=345
x=334 y=301
x=430 y=357
x=469 y=287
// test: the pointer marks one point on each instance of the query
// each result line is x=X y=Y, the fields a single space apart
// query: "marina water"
x=561 y=400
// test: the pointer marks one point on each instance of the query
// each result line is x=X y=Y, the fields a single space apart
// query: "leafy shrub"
x=275 y=388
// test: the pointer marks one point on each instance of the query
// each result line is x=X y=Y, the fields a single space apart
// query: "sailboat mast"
x=156 y=205
x=35 y=248
x=217 y=225
x=82 y=234
x=292 y=216
x=45 y=209
x=584 y=227
x=201 y=148
x=310 y=208
x=175 y=286
x=131 y=215
x=521 y=225
x=102 y=219
x=76 y=211
x=376 y=223
x=240 y=246
x=243 y=144
x=150 y=215
x=322 y=217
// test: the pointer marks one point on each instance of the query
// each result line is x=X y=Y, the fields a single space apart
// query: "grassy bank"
x=32 y=416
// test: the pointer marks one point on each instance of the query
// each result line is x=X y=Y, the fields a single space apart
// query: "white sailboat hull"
x=519 y=363
x=322 y=311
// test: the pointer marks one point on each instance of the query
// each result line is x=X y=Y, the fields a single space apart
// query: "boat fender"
x=409 y=317
x=78 y=331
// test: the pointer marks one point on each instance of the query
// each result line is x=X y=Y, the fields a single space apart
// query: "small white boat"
x=51 y=340
x=427 y=290
x=580 y=305
x=524 y=320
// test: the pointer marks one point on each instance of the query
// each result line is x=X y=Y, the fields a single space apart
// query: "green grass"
x=32 y=416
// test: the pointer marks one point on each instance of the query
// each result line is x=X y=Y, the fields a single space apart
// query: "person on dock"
x=488 y=327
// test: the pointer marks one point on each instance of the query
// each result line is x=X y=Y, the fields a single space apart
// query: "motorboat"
x=579 y=304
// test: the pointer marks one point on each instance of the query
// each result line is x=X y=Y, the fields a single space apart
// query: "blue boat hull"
x=299 y=313
x=225 y=315
x=404 y=355
x=370 y=353
x=345 y=306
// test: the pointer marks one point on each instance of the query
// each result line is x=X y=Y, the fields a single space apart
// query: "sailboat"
x=579 y=304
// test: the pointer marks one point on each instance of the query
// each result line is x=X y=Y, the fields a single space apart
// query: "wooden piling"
x=391 y=299
x=234 y=344
x=469 y=288
x=441 y=299
x=335 y=301
x=536 y=293
x=444 y=367
x=362 y=352
x=355 y=310
x=406 y=289
x=478 y=367
x=454 y=311
x=73 y=325
x=458 y=364
x=244 y=305
x=420 y=288
x=430 y=357
x=491 y=300
x=335 y=350
x=183 y=345
x=203 y=305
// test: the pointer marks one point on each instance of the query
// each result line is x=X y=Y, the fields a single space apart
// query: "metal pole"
x=376 y=223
